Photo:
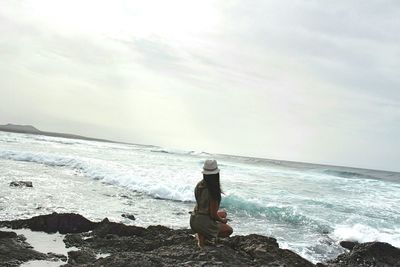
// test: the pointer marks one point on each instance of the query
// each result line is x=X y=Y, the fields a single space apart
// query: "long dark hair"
x=213 y=185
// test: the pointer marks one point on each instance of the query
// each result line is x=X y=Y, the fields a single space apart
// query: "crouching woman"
x=206 y=220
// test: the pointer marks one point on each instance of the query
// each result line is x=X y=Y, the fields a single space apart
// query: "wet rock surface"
x=129 y=216
x=114 y=244
x=14 y=250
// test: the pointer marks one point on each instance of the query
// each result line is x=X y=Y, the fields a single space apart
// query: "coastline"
x=108 y=243
x=27 y=129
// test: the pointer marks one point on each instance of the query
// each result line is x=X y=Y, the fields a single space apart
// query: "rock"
x=368 y=254
x=73 y=240
x=81 y=257
x=106 y=227
x=155 y=245
x=132 y=259
x=129 y=216
x=21 y=183
x=161 y=246
x=14 y=251
x=265 y=250
x=348 y=244
x=4 y=234
x=55 y=222
x=55 y=257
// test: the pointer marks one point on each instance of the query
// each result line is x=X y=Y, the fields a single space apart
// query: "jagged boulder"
x=265 y=250
x=369 y=254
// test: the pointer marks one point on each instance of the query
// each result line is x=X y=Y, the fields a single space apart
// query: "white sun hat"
x=210 y=167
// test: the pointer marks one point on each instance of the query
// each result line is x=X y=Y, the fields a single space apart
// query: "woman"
x=206 y=221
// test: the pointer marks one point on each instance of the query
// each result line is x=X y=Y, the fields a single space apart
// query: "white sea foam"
x=364 y=233
x=140 y=179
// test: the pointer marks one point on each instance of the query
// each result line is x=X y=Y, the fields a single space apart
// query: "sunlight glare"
x=174 y=19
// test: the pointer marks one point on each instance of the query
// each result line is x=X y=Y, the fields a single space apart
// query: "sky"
x=311 y=81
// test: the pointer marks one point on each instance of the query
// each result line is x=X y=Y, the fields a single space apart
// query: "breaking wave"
x=355 y=175
x=273 y=213
x=178 y=152
x=364 y=233
x=343 y=174
x=111 y=173
x=157 y=187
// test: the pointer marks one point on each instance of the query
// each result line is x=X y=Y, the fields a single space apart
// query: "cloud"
x=295 y=80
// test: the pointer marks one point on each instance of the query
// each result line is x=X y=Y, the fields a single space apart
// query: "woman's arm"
x=214 y=211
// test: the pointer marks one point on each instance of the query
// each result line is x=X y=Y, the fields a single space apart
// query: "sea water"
x=308 y=208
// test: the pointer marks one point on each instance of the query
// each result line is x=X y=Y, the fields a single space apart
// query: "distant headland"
x=29 y=129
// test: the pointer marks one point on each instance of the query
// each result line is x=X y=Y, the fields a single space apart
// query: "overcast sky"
x=314 y=81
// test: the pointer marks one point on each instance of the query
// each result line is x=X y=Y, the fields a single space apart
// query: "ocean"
x=308 y=208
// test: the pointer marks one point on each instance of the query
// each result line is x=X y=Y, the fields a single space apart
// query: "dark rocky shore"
x=122 y=245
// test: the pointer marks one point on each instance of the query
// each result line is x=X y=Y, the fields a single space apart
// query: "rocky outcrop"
x=21 y=184
x=155 y=245
x=52 y=223
x=265 y=250
x=369 y=254
x=160 y=246
x=123 y=245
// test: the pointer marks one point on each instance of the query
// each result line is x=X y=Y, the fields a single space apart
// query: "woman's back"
x=202 y=196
